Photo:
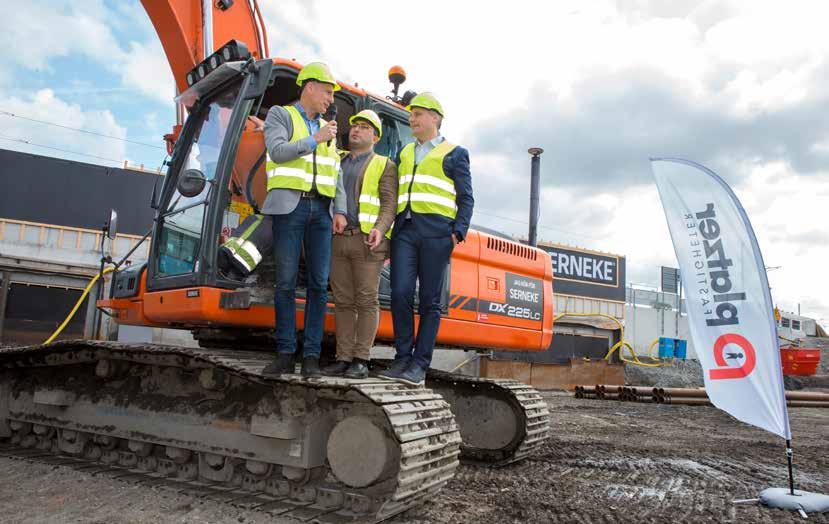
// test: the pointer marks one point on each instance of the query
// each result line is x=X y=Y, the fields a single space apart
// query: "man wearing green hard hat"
x=303 y=179
x=360 y=247
x=434 y=208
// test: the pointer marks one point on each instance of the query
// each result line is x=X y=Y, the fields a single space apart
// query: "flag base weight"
x=802 y=501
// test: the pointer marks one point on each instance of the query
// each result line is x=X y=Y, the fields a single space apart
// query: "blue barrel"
x=681 y=348
x=666 y=347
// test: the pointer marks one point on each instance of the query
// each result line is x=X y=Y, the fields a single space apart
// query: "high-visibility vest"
x=425 y=186
x=318 y=168
x=369 y=204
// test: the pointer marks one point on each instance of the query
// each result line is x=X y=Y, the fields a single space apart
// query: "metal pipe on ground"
x=641 y=390
x=806 y=404
x=687 y=401
x=807 y=395
x=812 y=396
x=680 y=392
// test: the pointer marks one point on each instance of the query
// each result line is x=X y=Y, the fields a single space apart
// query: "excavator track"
x=501 y=421
x=318 y=450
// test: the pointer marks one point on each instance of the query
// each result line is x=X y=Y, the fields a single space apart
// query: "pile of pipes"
x=686 y=396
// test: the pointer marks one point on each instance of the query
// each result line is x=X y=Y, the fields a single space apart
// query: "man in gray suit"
x=303 y=180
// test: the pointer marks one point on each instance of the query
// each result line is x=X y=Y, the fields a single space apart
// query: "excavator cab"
x=216 y=175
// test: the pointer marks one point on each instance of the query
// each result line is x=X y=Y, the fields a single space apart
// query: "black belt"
x=310 y=194
x=351 y=232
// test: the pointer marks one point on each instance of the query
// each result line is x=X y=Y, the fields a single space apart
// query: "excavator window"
x=183 y=217
x=396 y=134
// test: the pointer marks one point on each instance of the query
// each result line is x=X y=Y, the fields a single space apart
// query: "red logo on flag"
x=747 y=355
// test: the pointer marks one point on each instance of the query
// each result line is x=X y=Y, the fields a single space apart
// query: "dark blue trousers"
x=308 y=225
x=416 y=259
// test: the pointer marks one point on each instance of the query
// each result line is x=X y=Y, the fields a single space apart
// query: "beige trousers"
x=355 y=278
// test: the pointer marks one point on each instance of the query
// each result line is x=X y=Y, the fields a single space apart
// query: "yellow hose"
x=622 y=342
x=650 y=349
x=77 y=305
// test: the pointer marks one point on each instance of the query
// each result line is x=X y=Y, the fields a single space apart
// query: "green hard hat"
x=371 y=117
x=426 y=101
x=319 y=72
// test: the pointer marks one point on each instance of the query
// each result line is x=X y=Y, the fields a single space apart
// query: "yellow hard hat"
x=426 y=101
x=371 y=117
x=319 y=72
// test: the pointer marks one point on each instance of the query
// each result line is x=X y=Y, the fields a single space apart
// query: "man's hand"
x=328 y=132
x=258 y=124
x=339 y=224
x=374 y=239
x=455 y=239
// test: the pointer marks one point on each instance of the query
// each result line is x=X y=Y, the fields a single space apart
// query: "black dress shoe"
x=357 y=369
x=336 y=369
x=311 y=367
x=396 y=368
x=413 y=376
x=283 y=364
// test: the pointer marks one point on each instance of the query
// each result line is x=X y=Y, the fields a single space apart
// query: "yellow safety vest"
x=369 y=205
x=425 y=186
x=319 y=167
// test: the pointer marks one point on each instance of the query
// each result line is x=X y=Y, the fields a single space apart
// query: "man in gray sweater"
x=302 y=181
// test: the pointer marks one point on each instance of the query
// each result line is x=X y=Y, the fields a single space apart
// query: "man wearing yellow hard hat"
x=360 y=247
x=434 y=209
x=303 y=179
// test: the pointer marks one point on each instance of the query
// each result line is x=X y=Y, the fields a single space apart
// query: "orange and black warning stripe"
x=463 y=303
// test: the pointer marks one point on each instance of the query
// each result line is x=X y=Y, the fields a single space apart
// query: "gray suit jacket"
x=278 y=131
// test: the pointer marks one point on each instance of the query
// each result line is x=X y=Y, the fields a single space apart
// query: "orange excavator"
x=330 y=449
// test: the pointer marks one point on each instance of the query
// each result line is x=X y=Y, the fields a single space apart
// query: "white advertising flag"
x=729 y=305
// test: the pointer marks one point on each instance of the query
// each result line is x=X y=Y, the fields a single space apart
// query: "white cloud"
x=145 y=68
x=35 y=32
x=45 y=106
x=490 y=62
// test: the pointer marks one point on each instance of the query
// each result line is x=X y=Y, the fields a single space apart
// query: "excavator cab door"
x=195 y=195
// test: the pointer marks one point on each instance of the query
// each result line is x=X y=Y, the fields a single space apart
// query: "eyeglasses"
x=362 y=126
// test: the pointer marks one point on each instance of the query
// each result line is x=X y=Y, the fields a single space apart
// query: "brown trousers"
x=355 y=278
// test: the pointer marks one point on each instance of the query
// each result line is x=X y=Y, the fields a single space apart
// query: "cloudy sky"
x=600 y=85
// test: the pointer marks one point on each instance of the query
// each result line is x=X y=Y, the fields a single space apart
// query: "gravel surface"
x=607 y=462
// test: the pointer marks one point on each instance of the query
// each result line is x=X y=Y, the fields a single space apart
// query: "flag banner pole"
x=789 y=455
x=730 y=311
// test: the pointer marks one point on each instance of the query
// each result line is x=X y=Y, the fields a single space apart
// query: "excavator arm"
x=191 y=30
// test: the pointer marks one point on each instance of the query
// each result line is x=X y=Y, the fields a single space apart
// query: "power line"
x=7 y=113
x=574 y=234
x=11 y=139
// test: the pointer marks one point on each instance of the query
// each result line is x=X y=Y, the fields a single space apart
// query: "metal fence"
x=18 y=232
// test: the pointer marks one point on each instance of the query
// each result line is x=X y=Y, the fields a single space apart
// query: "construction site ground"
x=608 y=461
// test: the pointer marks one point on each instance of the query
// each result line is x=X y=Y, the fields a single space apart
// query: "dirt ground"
x=608 y=462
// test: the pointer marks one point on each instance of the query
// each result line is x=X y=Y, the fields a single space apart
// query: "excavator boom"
x=188 y=36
